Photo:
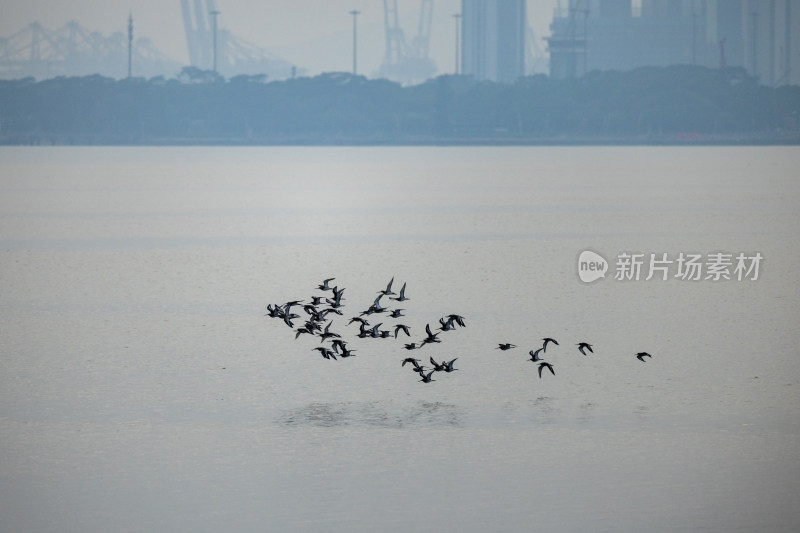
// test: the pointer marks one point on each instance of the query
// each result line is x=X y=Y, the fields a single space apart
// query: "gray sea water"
x=143 y=389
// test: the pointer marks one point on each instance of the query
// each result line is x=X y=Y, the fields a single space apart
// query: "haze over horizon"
x=313 y=35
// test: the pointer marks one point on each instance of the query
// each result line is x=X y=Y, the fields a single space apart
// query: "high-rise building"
x=493 y=39
x=756 y=35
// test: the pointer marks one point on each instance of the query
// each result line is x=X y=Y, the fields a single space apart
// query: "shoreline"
x=411 y=141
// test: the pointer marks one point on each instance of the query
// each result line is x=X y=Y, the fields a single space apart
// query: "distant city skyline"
x=315 y=36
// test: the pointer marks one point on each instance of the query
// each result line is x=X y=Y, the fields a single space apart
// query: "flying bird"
x=388 y=290
x=326 y=334
x=337 y=298
x=437 y=367
x=431 y=336
x=401 y=327
x=340 y=347
x=548 y=365
x=535 y=355
x=426 y=378
x=325 y=286
x=375 y=307
x=459 y=320
x=274 y=312
x=326 y=353
x=641 y=355
x=446 y=325
x=374 y=331
x=302 y=330
x=287 y=318
x=585 y=346
x=402 y=296
x=505 y=347
x=546 y=340
x=448 y=366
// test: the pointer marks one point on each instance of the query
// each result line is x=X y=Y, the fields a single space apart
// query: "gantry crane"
x=236 y=56
x=404 y=62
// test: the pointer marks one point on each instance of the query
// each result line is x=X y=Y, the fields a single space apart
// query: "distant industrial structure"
x=624 y=34
x=73 y=50
x=221 y=51
x=407 y=62
x=494 y=39
x=39 y=52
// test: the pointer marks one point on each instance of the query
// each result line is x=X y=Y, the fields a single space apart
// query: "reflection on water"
x=434 y=414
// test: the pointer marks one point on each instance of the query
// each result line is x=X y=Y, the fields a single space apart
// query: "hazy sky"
x=314 y=34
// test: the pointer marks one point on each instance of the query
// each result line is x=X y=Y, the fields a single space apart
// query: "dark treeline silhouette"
x=675 y=104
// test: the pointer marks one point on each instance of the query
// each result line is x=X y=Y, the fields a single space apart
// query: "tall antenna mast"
x=355 y=14
x=130 y=43
x=214 y=14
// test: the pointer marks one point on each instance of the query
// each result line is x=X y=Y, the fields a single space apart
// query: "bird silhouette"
x=325 y=286
x=547 y=340
x=375 y=307
x=426 y=378
x=448 y=366
x=641 y=355
x=438 y=367
x=446 y=325
x=402 y=296
x=340 y=347
x=326 y=353
x=535 y=355
x=431 y=336
x=388 y=290
x=459 y=320
x=544 y=364
x=585 y=346
x=506 y=346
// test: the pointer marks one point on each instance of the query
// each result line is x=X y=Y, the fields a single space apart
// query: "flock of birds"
x=318 y=322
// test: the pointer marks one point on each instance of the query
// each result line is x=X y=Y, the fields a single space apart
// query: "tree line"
x=651 y=104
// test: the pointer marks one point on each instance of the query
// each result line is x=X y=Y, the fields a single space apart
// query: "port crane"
x=407 y=62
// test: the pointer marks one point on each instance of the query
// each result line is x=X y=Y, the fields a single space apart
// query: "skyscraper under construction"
x=493 y=37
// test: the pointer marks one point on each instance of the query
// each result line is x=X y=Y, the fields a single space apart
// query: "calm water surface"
x=142 y=389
